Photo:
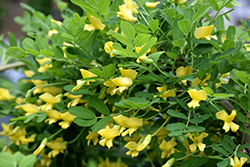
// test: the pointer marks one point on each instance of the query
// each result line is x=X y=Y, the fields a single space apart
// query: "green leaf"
x=227 y=44
x=189 y=13
x=223 y=95
x=174 y=113
x=81 y=112
x=194 y=162
x=155 y=56
x=193 y=128
x=141 y=28
x=208 y=90
x=179 y=42
x=41 y=117
x=85 y=123
x=16 y=52
x=201 y=49
x=175 y=126
x=79 y=92
x=103 y=6
x=201 y=12
x=128 y=30
x=6 y=160
x=222 y=163
x=12 y=39
x=99 y=105
x=101 y=123
x=220 y=150
x=133 y=102
x=183 y=104
x=30 y=46
x=172 y=55
x=86 y=7
x=214 y=4
x=177 y=33
x=241 y=75
x=29 y=117
x=28 y=161
x=141 y=39
x=184 y=25
x=153 y=25
x=226 y=146
x=123 y=40
x=147 y=46
x=231 y=31
x=197 y=120
x=17 y=157
x=109 y=70
x=47 y=52
x=41 y=42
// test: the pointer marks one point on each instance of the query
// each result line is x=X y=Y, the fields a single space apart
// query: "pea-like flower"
x=53 y=115
x=126 y=14
x=169 y=163
x=135 y=148
x=41 y=147
x=57 y=146
x=50 y=100
x=108 y=134
x=179 y=1
x=131 y=123
x=96 y=24
x=197 y=141
x=108 y=47
x=167 y=148
x=5 y=94
x=204 y=32
x=183 y=71
x=87 y=74
x=236 y=162
x=228 y=120
x=45 y=63
x=92 y=136
x=67 y=119
x=196 y=96
x=30 y=108
x=131 y=5
x=167 y=93
x=152 y=4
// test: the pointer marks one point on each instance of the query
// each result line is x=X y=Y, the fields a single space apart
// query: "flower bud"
x=41 y=147
x=169 y=163
x=79 y=86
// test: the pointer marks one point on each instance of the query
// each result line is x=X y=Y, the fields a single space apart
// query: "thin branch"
x=11 y=65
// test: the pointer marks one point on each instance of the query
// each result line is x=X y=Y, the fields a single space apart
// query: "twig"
x=11 y=65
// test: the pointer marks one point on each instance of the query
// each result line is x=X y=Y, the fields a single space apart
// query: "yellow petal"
x=49 y=98
x=128 y=73
x=202 y=32
x=87 y=74
x=123 y=81
x=182 y=71
x=222 y=115
x=126 y=14
x=131 y=6
x=152 y=4
x=179 y=1
x=192 y=147
x=234 y=126
x=30 y=108
x=96 y=23
x=5 y=94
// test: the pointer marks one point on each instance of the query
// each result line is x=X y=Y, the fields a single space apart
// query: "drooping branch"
x=11 y=65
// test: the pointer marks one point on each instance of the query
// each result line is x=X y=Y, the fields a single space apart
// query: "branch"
x=11 y=65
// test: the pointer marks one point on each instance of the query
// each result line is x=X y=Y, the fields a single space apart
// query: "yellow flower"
x=51 y=32
x=108 y=134
x=135 y=148
x=25 y=140
x=166 y=94
x=87 y=74
x=29 y=73
x=57 y=146
x=196 y=96
x=96 y=24
x=162 y=134
x=53 y=115
x=45 y=161
x=179 y=1
x=67 y=119
x=167 y=148
x=108 y=47
x=152 y=4
x=204 y=32
x=106 y=163
x=52 y=90
x=228 y=120
x=6 y=129
x=183 y=71
x=131 y=5
x=5 y=94
x=16 y=134
x=223 y=79
x=57 y=22
x=30 y=108
x=236 y=162
x=131 y=123
x=247 y=47
x=169 y=163
x=92 y=136
x=41 y=147
x=128 y=73
x=75 y=100
x=50 y=100
x=197 y=142
x=126 y=14
x=198 y=81
x=38 y=83
x=45 y=63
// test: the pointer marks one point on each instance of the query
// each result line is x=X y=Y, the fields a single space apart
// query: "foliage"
x=163 y=84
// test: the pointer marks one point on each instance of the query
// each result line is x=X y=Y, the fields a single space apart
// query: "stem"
x=72 y=141
x=11 y=65
x=55 y=133
x=144 y=18
x=153 y=72
x=214 y=105
x=189 y=115
x=161 y=126
x=152 y=164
